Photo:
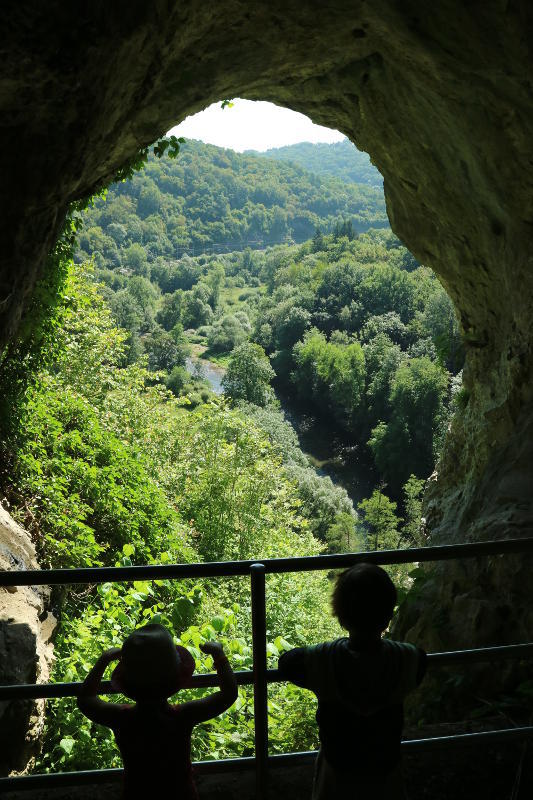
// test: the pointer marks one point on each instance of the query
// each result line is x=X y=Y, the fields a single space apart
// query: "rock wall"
x=25 y=649
x=439 y=94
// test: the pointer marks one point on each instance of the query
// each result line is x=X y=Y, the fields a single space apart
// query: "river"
x=211 y=372
x=326 y=445
x=331 y=452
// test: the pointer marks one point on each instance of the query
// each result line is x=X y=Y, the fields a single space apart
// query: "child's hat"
x=151 y=665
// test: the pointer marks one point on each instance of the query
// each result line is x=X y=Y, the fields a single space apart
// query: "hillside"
x=215 y=200
x=340 y=160
x=121 y=454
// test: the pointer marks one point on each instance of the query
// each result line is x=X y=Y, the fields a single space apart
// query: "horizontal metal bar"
x=100 y=776
x=25 y=783
x=466 y=739
x=499 y=736
x=481 y=654
x=213 y=569
x=33 y=691
x=32 y=782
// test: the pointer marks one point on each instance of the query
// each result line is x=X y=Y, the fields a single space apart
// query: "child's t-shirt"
x=155 y=745
x=156 y=750
x=360 y=698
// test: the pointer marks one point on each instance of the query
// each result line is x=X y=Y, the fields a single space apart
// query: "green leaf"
x=128 y=549
x=181 y=612
x=142 y=586
x=217 y=623
x=67 y=744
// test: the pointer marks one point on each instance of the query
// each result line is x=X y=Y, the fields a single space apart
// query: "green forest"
x=342 y=160
x=119 y=451
x=215 y=200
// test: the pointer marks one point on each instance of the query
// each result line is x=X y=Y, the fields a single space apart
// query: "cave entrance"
x=399 y=84
x=222 y=213
x=442 y=106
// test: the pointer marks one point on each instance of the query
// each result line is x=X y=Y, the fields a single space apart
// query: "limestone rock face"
x=25 y=649
x=439 y=94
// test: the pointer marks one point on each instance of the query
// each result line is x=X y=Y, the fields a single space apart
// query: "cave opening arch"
x=442 y=105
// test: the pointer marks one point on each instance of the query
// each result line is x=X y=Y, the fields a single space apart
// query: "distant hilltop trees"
x=215 y=200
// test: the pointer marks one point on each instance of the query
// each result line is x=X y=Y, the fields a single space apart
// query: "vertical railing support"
x=257 y=576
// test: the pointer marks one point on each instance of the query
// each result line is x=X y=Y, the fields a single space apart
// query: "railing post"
x=257 y=576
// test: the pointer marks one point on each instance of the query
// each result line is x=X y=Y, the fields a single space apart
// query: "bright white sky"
x=253 y=125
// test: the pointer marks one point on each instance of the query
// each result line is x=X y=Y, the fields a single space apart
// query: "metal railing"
x=261 y=676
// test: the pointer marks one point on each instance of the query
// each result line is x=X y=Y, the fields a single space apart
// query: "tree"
x=318 y=240
x=385 y=288
x=332 y=373
x=345 y=535
x=248 y=375
x=381 y=518
x=177 y=380
x=407 y=443
x=182 y=275
x=226 y=334
x=135 y=259
x=439 y=321
x=171 y=309
x=292 y=326
x=165 y=350
x=149 y=201
x=126 y=310
x=199 y=199
x=117 y=232
x=323 y=500
x=412 y=528
x=384 y=531
x=389 y=324
x=197 y=311
x=339 y=287
x=346 y=377
x=215 y=280
x=382 y=359
x=308 y=355
x=344 y=229
x=144 y=293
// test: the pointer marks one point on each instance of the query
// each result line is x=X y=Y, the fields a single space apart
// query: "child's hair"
x=364 y=598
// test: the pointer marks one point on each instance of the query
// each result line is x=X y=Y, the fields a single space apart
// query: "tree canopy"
x=217 y=200
x=249 y=375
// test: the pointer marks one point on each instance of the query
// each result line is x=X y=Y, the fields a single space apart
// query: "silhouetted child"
x=360 y=683
x=153 y=736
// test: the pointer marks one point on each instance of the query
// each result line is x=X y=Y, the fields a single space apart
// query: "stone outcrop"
x=25 y=649
x=439 y=94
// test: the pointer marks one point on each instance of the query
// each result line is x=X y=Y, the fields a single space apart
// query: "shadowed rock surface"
x=439 y=95
x=25 y=651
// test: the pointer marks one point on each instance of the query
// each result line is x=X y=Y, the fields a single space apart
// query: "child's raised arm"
x=89 y=704
x=215 y=704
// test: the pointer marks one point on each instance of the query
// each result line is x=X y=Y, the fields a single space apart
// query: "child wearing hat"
x=153 y=736
x=360 y=682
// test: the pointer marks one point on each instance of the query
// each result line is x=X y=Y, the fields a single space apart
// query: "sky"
x=253 y=125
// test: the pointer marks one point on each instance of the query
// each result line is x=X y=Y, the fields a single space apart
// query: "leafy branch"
x=167 y=144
